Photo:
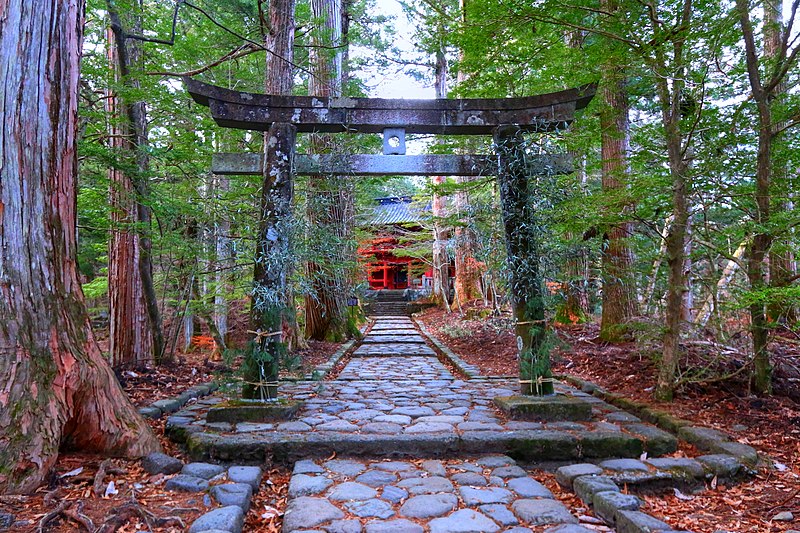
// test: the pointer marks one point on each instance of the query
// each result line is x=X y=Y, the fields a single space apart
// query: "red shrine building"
x=393 y=223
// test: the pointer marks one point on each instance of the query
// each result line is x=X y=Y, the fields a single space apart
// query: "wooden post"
x=522 y=245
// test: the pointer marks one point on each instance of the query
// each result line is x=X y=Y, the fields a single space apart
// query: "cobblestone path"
x=417 y=448
x=399 y=386
x=489 y=493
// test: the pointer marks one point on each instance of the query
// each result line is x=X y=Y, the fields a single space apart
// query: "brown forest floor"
x=770 y=424
x=149 y=505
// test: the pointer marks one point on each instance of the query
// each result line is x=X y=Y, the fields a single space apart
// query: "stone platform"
x=404 y=404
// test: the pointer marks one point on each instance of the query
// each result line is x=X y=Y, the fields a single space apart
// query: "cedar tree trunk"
x=619 y=289
x=441 y=262
x=55 y=387
x=331 y=208
x=134 y=120
x=130 y=333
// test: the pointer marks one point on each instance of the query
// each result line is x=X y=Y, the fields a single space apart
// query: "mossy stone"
x=556 y=407
x=234 y=412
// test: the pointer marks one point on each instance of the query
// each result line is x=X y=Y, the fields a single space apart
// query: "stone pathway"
x=395 y=415
x=488 y=494
x=395 y=369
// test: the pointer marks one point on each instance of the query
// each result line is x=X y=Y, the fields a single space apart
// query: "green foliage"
x=204 y=227
x=97 y=288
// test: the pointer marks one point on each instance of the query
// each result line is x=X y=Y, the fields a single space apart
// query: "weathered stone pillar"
x=272 y=263
x=522 y=245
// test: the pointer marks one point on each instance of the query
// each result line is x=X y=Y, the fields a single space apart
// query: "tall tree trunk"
x=619 y=288
x=675 y=245
x=762 y=240
x=130 y=332
x=782 y=267
x=523 y=247
x=135 y=115
x=271 y=303
x=467 y=282
x=670 y=94
x=441 y=261
x=55 y=386
x=330 y=206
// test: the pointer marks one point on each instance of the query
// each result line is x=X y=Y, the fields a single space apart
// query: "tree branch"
x=242 y=51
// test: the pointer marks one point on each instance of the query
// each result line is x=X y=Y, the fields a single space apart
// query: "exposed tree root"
x=132 y=509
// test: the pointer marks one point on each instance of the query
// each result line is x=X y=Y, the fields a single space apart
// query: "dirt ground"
x=68 y=501
x=770 y=424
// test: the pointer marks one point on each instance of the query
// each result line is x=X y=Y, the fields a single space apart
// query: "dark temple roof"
x=397 y=210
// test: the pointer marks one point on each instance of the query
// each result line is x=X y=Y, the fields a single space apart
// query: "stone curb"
x=598 y=488
x=465 y=368
x=706 y=439
x=525 y=445
x=160 y=408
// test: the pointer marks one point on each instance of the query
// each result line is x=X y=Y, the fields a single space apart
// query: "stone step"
x=382 y=339
x=370 y=415
x=395 y=369
x=393 y=349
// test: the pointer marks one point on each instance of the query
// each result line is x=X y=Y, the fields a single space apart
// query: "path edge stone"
x=706 y=439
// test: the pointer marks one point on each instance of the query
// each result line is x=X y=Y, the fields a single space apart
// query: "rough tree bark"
x=619 y=288
x=522 y=244
x=130 y=332
x=271 y=304
x=467 y=282
x=56 y=389
x=331 y=208
x=134 y=116
x=782 y=267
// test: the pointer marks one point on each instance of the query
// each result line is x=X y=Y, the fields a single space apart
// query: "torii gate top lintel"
x=460 y=116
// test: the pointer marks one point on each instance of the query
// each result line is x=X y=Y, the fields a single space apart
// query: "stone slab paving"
x=393 y=349
x=391 y=338
x=393 y=332
x=413 y=416
x=484 y=493
x=389 y=326
x=395 y=368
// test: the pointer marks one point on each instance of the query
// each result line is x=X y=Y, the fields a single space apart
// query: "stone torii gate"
x=506 y=119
